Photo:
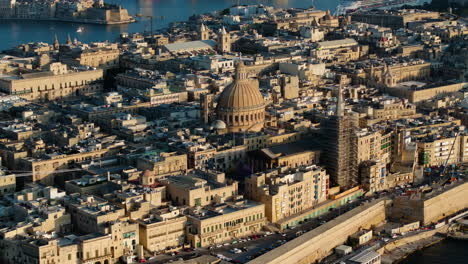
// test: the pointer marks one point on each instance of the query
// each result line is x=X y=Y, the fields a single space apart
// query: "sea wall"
x=320 y=242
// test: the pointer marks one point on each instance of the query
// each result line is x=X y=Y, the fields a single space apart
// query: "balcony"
x=207 y=234
x=230 y=228
x=253 y=222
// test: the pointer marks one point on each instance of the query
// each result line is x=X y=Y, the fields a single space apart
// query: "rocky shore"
x=402 y=252
x=399 y=249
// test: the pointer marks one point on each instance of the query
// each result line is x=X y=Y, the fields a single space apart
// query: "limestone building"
x=162 y=164
x=200 y=188
x=7 y=183
x=291 y=155
x=57 y=83
x=161 y=230
x=94 y=57
x=225 y=222
x=91 y=213
x=241 y=105
x=286 y=192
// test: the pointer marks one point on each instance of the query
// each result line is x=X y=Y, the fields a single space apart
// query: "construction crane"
x=445 y=178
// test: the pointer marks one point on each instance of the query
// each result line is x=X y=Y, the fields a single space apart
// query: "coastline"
x=423 y=246
x=82 y=21
x=398 y=250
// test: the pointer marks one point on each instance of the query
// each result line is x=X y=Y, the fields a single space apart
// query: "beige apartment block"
x=373 y=145
x=125 y=234
x=161 y=164
x=199 y=156
x=7 y=184
x=161 y=230
x=373 y=176
x=137 y=202
x=91 y=248
x=286 y=192
x=91 y=213
x=225 y=222
x=57 y=83
x=450 y=150
x=199 y=189
x=42 y=169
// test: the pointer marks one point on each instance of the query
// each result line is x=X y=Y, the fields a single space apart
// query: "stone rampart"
x=320 y=242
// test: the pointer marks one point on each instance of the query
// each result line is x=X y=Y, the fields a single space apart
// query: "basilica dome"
x=241 y=105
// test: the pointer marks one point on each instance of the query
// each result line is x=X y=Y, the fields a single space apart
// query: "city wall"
x=430 y=209
x=446 y=204
x=319 y=243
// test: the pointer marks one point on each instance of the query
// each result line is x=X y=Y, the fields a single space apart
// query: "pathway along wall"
x=320 y=242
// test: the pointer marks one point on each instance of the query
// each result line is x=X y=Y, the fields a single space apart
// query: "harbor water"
x=14 y=32
x=447 y=251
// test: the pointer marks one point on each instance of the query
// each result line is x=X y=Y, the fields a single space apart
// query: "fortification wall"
x=319 y=243
x=445 y=204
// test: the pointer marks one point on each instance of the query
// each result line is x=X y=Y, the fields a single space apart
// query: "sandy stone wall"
x=446 y=204
x=320 y=242
x=430 y=209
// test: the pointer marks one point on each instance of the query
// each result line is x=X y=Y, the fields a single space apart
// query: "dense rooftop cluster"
x=221 y=128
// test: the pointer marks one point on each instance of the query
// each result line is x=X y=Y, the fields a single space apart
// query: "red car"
x=142 y=261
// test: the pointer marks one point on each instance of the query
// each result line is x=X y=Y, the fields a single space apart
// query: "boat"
x=349 y=6
x=80 y=29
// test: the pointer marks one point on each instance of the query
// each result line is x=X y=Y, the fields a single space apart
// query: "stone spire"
x=224 y=41
x=56 y=42
x=223 y=31
x=340 y=103
x=204 y=32
x=315 y=23
x=69 y=42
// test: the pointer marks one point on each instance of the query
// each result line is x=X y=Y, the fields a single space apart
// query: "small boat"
x=80 y=29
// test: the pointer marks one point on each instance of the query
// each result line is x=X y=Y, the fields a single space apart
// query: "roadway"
x=254 y=247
